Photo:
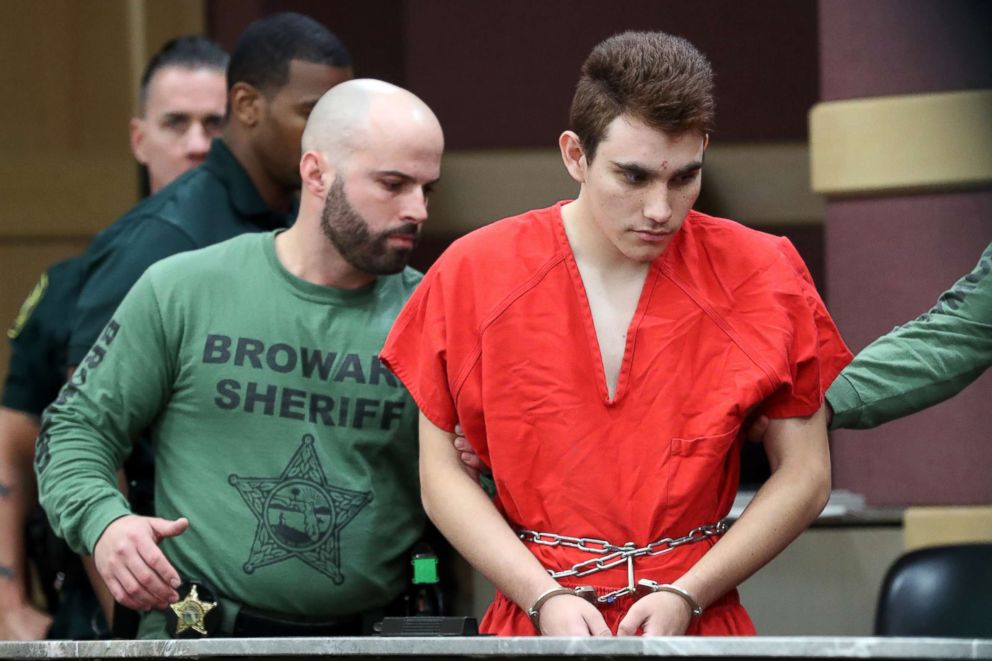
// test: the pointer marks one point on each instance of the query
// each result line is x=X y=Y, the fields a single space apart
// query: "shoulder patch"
x=28 y=306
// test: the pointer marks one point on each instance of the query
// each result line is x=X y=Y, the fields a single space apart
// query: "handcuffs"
x=644 y=587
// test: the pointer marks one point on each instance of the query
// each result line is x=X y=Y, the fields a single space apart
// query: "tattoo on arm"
x=7 y=572
x=4 y=490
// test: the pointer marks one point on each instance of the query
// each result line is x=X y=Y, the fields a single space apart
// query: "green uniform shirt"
x=38 y=340
x=207 y=205
x=922 y=362
x=277 y=432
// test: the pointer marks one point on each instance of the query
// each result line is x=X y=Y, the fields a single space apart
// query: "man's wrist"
x=534 y=612
x=646 y=587
x=101 y=515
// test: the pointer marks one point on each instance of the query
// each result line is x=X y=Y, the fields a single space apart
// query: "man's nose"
x=416 y=205
x=197 y=141
x=657 y=208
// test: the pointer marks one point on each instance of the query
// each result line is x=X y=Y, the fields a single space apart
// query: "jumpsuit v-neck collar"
x=592 y=339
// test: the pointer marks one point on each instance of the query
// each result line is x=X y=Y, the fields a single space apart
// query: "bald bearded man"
x=285 y=452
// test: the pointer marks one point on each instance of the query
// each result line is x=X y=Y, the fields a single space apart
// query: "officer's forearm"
x=785 y=505
x=18 y=496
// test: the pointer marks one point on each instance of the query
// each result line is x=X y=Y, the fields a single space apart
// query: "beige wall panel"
x=478 y=187
x=905 y=143
x=66 y=73
x=165 y=20
x=64 y=195
x=21 y=264
x=935 y=526
x=36 y=74
x=756 y=183
x=762 y=183
x=825 y=584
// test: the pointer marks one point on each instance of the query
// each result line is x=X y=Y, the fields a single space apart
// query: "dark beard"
x=348 y=231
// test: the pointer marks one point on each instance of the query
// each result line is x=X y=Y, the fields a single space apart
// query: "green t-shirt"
x=277 y=432
x=38 y=339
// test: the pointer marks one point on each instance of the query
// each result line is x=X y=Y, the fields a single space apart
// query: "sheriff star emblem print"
x=299 y=514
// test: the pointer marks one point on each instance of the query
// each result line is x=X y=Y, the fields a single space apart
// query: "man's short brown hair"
x=658 y=78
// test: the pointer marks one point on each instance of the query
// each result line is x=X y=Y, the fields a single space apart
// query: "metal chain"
x=613 y=555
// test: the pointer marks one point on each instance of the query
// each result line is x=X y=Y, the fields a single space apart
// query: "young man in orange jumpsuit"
x=602 y=357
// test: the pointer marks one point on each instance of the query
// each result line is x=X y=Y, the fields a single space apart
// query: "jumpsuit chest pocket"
x=703 y=468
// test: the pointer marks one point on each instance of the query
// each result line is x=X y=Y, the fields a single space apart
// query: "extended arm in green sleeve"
x=922 y=362
x=116 y=392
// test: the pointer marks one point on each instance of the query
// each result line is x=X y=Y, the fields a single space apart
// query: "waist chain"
x=612 y=555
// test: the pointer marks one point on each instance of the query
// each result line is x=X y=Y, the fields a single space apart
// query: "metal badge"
x=191 y=616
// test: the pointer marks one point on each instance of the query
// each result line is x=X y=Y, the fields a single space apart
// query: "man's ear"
x=573 y=155
x=247 y=104
x=316 y=174
x=706 y=141
x=136 y=128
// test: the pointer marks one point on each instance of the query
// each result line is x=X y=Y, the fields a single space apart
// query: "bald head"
x=359 y=113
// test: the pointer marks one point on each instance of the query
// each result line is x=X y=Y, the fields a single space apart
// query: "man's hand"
x=470 y=460
x=571 y=615
x=658 y=614
x=132 y=565
x=23 y=622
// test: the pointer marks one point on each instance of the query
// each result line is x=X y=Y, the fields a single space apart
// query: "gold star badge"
x=191 y=611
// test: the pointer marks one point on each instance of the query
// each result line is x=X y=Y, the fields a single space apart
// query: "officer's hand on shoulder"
x=130 y=562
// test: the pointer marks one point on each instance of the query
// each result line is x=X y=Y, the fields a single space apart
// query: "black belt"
x=251 y=623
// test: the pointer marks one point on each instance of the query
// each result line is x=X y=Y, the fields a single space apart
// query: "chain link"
x=613 y=555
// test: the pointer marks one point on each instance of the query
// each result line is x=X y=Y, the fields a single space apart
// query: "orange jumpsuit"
x=499 y=337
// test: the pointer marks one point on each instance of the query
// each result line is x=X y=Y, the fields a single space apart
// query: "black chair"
x=943 y=591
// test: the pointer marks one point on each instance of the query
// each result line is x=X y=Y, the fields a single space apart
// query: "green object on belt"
x=425 y=569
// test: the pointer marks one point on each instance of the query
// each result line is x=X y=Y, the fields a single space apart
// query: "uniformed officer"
x=286 y=473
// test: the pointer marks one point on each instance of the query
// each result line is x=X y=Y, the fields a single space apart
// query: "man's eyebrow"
x=634 y=168
x=690 y=167
x=404 y=176
x=643 y=171
x=394 y=173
